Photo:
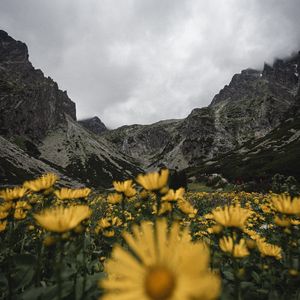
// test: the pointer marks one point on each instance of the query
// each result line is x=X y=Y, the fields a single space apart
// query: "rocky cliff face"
x=94 y=125
x=252 y=105
x=39 y=132
x=30 y=103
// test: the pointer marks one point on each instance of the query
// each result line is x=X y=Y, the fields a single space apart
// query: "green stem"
x=123 y=209
x=84 y=267
x=158 y=203
x=9 y=266
x=40 y=251
x=59 y=268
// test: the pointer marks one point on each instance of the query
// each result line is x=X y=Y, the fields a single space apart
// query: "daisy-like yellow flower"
x=6 y=206
x=114 y=198
x=286 y=205
x=166 y=266
x=3 y=225
x=238 y=250
x=125 y=187
x=267 y=249
x=231 y=216
x=215 y=229
x=154 y=181
x=62 y=219
x=164 y=208
x=66 y=193
x=13 y=194
x=282 y=222
x=186 y=208
x=104 y=225
x=20 y=214
x=174 y=196
x=44 y=182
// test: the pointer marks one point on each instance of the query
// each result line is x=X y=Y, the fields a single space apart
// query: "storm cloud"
x=141 y=61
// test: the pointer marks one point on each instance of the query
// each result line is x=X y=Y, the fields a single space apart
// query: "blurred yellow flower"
x=164 y=208
x=20 y=214
x=164 y=266
x=186 y=208
x=173 y=196
x=215 y=229
x=286 y=205
x=125 y=187
x=267 y=249
x=42 y=183
x=62 y=219
x=114 y=198
x=154 y=181
x=12 y=194
x=3 y=215
x=6 y=206
x=282 y=222
x=3 y=225
x=231 y=216
x=238 y=250
x=66 y=193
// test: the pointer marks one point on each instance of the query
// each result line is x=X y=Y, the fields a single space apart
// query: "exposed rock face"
x=30 y=104
x=251 y=106
x=94 y=124
x=39 y=129
x=16 y=166
x=85 y=156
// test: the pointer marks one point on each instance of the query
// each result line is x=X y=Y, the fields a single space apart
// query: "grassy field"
x=200 y=244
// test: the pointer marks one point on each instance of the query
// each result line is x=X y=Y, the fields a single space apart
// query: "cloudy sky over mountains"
x=140 y=61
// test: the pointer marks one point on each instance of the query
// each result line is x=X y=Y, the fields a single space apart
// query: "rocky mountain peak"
x=12 y=50
x=94 y=124
x=30 y=103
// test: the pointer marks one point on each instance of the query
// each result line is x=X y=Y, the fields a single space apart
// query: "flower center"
x=159 y=283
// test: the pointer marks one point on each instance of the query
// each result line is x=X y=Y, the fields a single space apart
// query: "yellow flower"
x=267 y=249
x=282 y=222
x=285 y=205
x=65 y=193
x=125 y=187
x=109 y=233
x=215 y=229
x=2 y=225
x=20 y=214
x=23 y=205
x=164 y=266
x=12 y=194
x=3 y=215
x=114 y=198
x=295 y=222
x=44 y=182
x=61 y=219
x=186 y=208
x=154 y=181
x=231 y=216
x=173 y=196
x=104 y=223
x=164 y=208
x=6 y=206
x=237 y=250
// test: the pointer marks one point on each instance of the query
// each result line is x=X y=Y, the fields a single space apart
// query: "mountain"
x=94 y=125
x=250 y=129
x=248 y=109
x=39 y=132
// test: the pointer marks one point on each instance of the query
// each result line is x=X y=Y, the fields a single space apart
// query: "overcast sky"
x=141 y=61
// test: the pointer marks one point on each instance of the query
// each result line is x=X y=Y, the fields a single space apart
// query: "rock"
x=94 y=124
x=30 y=104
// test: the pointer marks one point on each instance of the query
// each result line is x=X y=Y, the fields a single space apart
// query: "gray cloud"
x=134 y=61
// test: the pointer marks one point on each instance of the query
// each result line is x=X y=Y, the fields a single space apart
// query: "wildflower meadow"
x=142 y=240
